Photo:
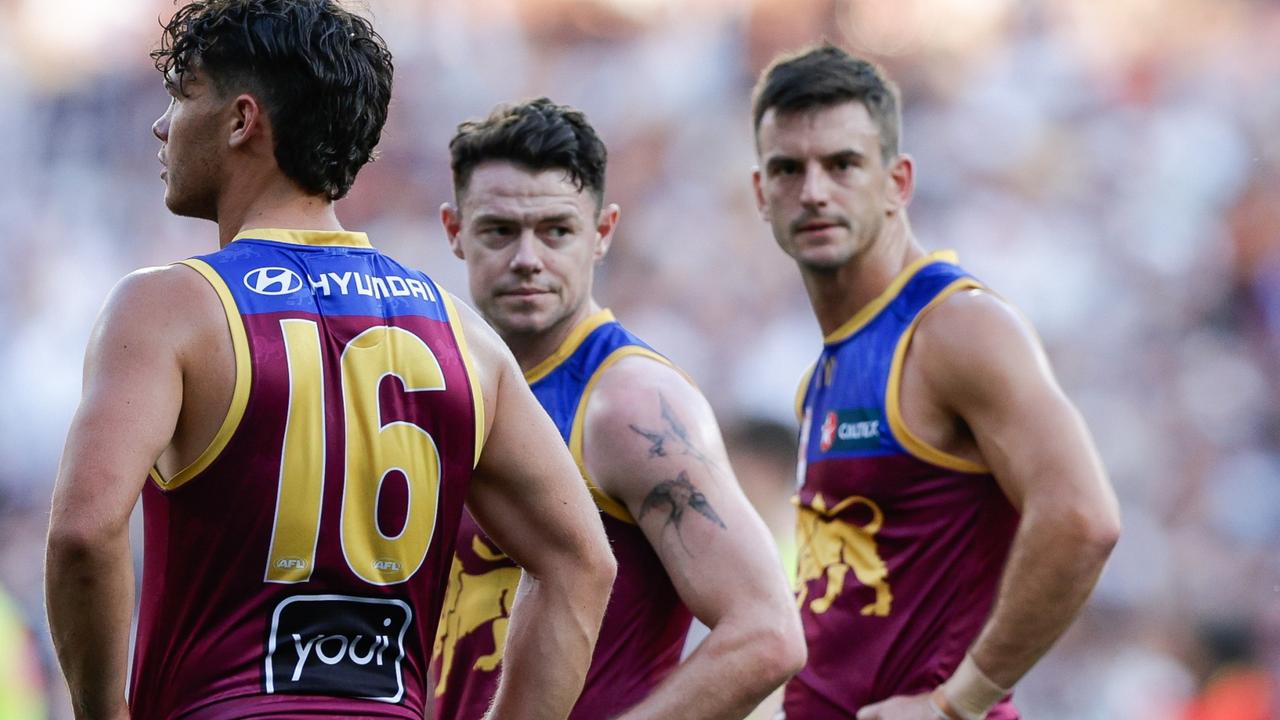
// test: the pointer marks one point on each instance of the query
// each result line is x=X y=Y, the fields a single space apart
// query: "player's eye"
x=499 y=231
x=786 y=168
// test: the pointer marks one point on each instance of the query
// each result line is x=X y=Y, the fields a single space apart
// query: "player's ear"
x=606 y=223
x=246 y=121
x=451 y=219
x=757 y=185
x=901 y=180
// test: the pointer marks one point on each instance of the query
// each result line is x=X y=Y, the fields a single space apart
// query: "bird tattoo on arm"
x=674 y=497
x=675 y=432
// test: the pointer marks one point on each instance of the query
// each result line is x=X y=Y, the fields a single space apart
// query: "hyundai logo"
x=273 y=281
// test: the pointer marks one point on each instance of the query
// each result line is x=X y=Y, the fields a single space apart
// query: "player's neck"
x=839 y=294
x=531 y=349
x=273 y=203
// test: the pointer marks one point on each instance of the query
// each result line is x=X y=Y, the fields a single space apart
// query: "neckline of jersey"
x=318 y=238
x=570 y=345
x=873 y=308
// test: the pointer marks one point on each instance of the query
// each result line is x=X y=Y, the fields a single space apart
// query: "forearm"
x=1054 y=562
x=550 y=639
x=89 y=595
x=731 y=672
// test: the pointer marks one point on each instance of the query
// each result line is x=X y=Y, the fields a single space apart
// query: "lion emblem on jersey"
x=468 y=612
x=830 y=548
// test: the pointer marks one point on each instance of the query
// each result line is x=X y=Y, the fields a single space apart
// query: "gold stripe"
x=873 y=308
x=893 y=399
x=606 y=503
x=570 y=344
x=330 y=238
x=477 y=391
x=801 y=388
x=239 y=396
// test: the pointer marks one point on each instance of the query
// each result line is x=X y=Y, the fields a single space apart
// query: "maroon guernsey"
x=298 y=566
x=900 y=545
x=646 y=622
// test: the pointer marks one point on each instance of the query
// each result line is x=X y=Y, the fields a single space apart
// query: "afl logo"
x=829 y=425
x=273 y=281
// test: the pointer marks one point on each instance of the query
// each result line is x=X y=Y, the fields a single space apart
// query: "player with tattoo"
x=530 y=222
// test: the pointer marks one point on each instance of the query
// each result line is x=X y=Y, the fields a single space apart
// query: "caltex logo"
x=828 y=431
x=273 y=281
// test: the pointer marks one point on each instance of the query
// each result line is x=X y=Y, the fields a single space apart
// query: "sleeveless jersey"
x=901 y=546
x=297 y=567
x=645 y=624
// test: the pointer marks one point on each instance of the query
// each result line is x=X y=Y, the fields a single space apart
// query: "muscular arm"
x=528 y=496
x=652 y=443
x=1040 y=452
x=130 y=404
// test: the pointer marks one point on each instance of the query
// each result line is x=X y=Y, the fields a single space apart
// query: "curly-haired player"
x=304 y=418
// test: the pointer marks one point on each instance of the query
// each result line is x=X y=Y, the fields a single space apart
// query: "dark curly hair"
x=537 y=134
x=823 y=76
x=322 y=74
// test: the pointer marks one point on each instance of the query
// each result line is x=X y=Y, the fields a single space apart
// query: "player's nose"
x=814 y=189
x=526 y=259
x=160 y=128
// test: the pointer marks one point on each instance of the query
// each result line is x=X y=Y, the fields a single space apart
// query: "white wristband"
x=970 y=693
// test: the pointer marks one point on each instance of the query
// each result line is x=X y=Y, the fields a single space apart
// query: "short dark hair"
x=823 y=76
x=322 y=74
x=539 y=135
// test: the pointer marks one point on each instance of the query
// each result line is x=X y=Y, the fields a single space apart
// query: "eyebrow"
x=495 y=218
x=848 y=154
x=174 y=85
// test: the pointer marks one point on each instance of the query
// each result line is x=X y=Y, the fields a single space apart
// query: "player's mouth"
x=523 y=292
x=818 y=227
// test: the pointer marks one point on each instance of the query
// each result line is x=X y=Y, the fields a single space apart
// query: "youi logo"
x=273 y=281
x=337 y=645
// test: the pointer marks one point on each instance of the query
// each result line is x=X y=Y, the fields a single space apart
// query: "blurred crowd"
x=1111 y=168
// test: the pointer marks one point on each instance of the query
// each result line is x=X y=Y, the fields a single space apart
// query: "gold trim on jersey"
x=477 y=391
x=873 y=308
x=569 y=346
x=606 y=503
x=801 y=390
x=893 y=399
x=239 y=396
x=327 y=238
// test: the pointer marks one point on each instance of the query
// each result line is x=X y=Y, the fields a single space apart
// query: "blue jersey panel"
x=845 y=399
x=560 y=391
x=266 y=276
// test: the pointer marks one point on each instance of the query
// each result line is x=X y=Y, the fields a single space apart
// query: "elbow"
x=599 y=569
x=1093 y=530
x=1099 y=530
x=71 y=544
x=778 y=650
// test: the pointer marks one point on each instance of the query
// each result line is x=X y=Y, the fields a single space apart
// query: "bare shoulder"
x=976 y=342
x=646 y=419
x=489 y=355
x=640 y=388
x=164 y=304
x=486 y=347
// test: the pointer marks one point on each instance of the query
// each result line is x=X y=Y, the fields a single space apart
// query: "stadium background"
x=1112 y=168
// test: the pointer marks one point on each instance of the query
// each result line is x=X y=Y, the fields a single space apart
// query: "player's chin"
x=522 y=319
x=184 y=205
x=826 y=256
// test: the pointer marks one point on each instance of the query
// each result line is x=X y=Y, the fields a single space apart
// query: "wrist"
x=968 y=694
